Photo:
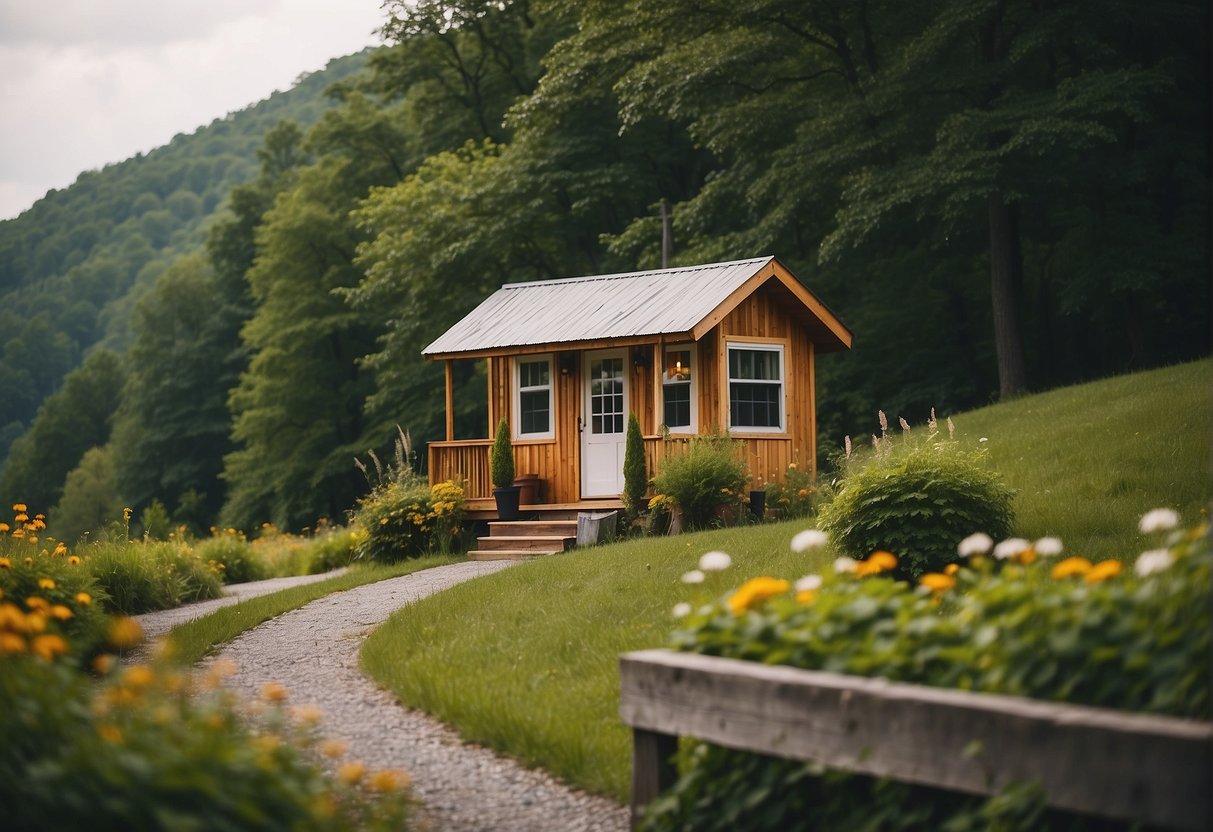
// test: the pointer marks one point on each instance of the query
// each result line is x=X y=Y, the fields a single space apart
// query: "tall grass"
x=140 y=576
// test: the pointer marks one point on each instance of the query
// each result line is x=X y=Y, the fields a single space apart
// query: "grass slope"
x=526 y=661
x=192 y=640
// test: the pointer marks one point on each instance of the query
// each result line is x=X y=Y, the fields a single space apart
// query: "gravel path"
x=156 y=624
x=314 y=652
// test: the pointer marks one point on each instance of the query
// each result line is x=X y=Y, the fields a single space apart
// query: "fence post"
x=652 y=768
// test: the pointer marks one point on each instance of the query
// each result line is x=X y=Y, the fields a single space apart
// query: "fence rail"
x=1094 y=761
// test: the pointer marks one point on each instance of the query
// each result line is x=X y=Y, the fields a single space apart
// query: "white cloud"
x=86 y=83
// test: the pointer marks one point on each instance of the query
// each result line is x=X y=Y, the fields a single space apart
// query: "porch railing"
x=466 y=460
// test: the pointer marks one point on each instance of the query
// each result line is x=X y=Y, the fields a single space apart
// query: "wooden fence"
x=1094 y=761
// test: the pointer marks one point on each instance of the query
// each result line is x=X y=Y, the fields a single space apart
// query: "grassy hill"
x=525 y=661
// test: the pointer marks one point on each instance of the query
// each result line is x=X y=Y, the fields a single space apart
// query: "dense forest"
x=997 y=196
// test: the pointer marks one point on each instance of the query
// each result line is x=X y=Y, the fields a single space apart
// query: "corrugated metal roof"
x=596 y=307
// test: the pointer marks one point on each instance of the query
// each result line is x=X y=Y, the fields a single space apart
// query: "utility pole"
x=667 y=234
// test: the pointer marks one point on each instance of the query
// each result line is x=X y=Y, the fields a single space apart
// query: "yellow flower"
x=47 y=646
x=22 y=518
x=884 y=560
x=273 y=692
x=20 y=507
x=110 y=734
x=1069 y=568
x=333 y=748
x=83 y=599
x=951 y=569
x=46 y=583
x=3 y=527
x=36 y=603
x=124 y=633
x=806 y=596
x=5 y=563
x=351 y=773
x=11 y=643
x=73 y=561
x=389 y=780
x=307 y=714
x=60 y=612
x=937 y=582
x=138 y=676
x=755 y=591
x=103 y=664
x=1103 y=570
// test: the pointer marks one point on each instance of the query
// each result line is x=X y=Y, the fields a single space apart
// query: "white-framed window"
x=533 y=418
x=679 y=389
x=756 y=387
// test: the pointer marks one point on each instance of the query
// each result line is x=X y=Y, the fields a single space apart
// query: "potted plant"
x=502 y=470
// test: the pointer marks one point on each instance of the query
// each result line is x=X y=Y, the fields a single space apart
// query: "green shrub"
x=407 y=518
x=332 y=549
x=1098 y=635
x=139 y=576
x=707 y=475
x=502 y=458
x=917 y=501
x=150 y=748
x=228 y=551
x=635 y=477
x=155 y=521
x=796 y=496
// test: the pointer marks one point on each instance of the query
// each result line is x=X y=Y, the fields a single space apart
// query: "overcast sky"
x=87 y=82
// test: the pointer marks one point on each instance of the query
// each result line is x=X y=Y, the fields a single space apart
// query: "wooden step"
x=507 y=554
x=526 y=528
x=534 y=543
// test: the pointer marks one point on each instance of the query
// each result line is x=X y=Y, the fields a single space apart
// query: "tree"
x=90 y=497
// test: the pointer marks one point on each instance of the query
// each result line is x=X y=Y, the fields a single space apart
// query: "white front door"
x=605 y=426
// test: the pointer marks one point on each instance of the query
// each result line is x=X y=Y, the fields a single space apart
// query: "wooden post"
x=652 y=768
x=450 y=401
x=658 y=380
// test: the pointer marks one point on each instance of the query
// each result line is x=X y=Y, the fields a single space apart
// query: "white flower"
x=715 y=562
x=1155 y=560
x=682 y=610
x=693 y=577
x=844 y=564
x=1011 y=547
x=809 y=583
x=974 y=544
x=1048 y=547
x=808 y=540
x=1158 y=520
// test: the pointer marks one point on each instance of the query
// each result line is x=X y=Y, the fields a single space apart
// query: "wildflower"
x=351 y=773
x=1155 y=560
x=73 y=561
x=83 y=599
x=755 y=591
x=1048 y=547
x=46 y=583
x=138 y=676
x=5 y=563
x=389 y=780
x=22 y=518
x=36 y=603
x=693 y=577
x=307 y=714
x=47 y=646
x=882 y=560
x=1070 y=567
x=11 y=643
x=273 y=692
x=1103 y=570
x=951 y=569
x=681 y=610
x=809 y=583
x=1158 y=520
x=1011 y=547
x=808 y=540
x=61 y=613
x=103 y=664
x=715 y=562
x=3 y=527
x=333 y=748
x=61 y=550
x=937 y=581
x=20 y=508
x=126 y=514
x=110 y=734
x=124 y=633
x=844 y=564
x=975 y=544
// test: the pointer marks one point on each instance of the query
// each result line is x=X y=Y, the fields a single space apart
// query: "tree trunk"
x=1006 y=278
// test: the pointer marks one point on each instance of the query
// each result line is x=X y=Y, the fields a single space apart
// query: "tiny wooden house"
x=690 y=349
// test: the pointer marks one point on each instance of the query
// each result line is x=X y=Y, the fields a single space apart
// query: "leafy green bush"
x=917 y=501
x=405 y=518
x=1092 y=634
x=796 y=496
x=331 y=549
x=149 y=748
x=228 y=551
x=139 y=576
x=707 y=475
x=501 y=460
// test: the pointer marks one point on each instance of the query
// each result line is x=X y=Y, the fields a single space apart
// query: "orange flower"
x=1070 y=567
x=124 y=633
x=273 y=692
x=83 y=599
x=47 y=646
x=1103 y=570
x=351 y=773
x=951 y=569
x=755 y=591
x=937 y=582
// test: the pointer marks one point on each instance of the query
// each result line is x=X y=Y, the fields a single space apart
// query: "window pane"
x=754 y=405
x=534 y=374
x=677 y=366
x=678 y=406
x=536 y=417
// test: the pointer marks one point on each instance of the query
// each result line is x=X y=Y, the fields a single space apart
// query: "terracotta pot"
x=532 y=489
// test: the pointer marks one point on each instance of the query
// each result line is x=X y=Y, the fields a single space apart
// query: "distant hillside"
x=73 y=265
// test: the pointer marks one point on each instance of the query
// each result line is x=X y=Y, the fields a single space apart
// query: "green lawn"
x=526 y=661
x=192 y=640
